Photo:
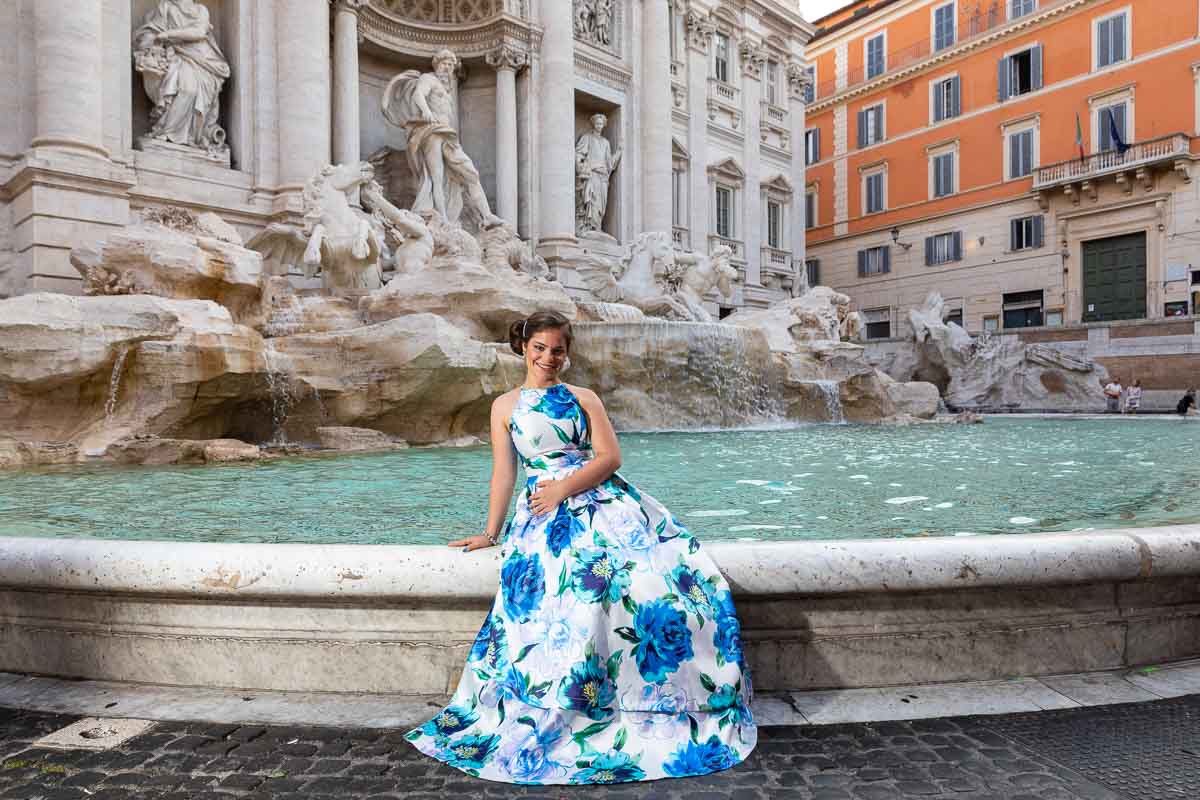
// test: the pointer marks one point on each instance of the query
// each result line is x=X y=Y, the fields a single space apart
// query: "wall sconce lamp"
x=896 y=239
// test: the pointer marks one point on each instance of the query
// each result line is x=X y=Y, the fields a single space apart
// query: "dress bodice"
x=549 y=431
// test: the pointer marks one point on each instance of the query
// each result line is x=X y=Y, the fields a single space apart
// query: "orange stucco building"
x=943 y=141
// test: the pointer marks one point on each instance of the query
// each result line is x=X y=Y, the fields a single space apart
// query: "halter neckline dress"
x=612 y=652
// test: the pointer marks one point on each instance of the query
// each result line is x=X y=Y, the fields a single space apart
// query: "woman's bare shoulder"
x=505 y=403
x=585 y=395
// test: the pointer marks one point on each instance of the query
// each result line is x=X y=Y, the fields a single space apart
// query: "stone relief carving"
x=595 y=161
x=594 y=22
x=182 y=71
x=699 y=29
x=505 y=56
x=423 y=104
x=452 y=12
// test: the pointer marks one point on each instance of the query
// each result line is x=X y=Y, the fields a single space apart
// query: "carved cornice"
x=699 y=29
x=506 y=56
x=353 y=6
x=602 y=71
x=399 y=35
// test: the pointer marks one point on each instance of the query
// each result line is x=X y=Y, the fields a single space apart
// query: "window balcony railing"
x=723 y=93
x=1112 y=162
x=974 y=20
x=774 y=258
x=736 y=245
x=773 y=113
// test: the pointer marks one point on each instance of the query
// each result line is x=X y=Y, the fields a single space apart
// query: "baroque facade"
x=1031 y=160
x=702 y=103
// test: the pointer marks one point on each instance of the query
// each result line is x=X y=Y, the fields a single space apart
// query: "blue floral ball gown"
x=612 y=652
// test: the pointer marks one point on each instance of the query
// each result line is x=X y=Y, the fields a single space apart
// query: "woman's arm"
x=606 y=461
x=504 y=475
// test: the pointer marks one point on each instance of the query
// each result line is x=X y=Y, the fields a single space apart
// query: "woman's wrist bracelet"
x=494 y=538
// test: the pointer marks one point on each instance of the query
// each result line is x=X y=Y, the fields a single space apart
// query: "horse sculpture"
x=341 y=243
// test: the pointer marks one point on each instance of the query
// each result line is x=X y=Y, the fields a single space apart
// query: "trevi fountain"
x=246 y=372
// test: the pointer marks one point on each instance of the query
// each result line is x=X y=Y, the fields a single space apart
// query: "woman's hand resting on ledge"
x=473 y=543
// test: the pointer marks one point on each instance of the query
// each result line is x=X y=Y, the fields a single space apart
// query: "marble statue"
x=641 y=279
x=503 y=250
x=409 y=238
x=341 y=243
x=423 y=104
x=701 y=275
x=800 y=285
x=182 y=70
x=594 y=165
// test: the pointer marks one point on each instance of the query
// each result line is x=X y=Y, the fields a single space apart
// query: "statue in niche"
x=182 y=70
x=594 y=165
x=423 y=104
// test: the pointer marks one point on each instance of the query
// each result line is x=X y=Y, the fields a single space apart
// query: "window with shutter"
x=1019 y=8
x=721 y=57
x=813 y=269
x=874 y=261
x=943 y=248
x=862 y=129
x=774 y=230
x=875 y=56
x=1025 y=233
x=874 y=193
x=870 y=125
x=1020 y=154
x=1110 y=40
x=943 y=27
x=943 y=174
x=724 y=212
x=812 y=146
x=945 y=99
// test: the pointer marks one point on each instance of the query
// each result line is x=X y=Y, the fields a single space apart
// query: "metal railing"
x=983 y=19
x=1111 y=161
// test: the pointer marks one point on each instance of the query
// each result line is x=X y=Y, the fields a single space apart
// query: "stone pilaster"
x=699 y=31
x=750 y=215
x=506 y=60
x=798 y=81
x=655 y=113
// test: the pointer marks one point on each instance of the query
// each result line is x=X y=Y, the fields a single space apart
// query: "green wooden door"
x=1114 y=278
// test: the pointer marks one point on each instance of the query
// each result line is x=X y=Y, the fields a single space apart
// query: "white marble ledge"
x=430 y=573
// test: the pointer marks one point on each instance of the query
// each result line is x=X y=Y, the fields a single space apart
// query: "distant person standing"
x=1112 y=395
x=1187 y=404
x=1133 y=398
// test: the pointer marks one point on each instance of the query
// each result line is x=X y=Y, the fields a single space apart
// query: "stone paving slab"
x=101 y=698
x=1006 y=757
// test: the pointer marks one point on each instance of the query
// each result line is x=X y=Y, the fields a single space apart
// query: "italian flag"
x=1079 y=138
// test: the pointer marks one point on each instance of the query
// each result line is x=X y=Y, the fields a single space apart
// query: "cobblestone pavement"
x=1145 y=751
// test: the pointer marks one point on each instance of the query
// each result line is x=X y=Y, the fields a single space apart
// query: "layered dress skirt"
x=612 y=652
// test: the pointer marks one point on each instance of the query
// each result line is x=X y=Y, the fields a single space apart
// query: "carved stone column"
x=345 y=81
x=557 y=157
x=70 y=115
x=506 y=60
x=798 y=82
x=303 y=92
x=700 y=31
x=655 y=115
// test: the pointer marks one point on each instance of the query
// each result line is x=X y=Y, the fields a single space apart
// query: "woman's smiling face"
x=545 y=353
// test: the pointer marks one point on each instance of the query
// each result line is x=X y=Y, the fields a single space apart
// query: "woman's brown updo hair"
x=523 y=330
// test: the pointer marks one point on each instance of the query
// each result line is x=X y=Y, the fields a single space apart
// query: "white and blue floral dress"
x=612 y=652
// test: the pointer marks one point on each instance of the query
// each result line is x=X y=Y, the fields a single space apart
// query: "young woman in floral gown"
x=612 y=652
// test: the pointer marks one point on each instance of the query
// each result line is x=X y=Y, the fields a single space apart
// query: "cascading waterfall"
x=114 y=384
x=279 y=385
x=673 y=375
x=831 y=394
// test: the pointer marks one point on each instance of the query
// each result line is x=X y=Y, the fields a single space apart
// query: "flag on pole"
x=1115 y=132
x=1079 y=138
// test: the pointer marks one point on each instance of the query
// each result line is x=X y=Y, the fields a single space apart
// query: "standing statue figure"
x=423 y=104
x=594 y=165
x=183 y=70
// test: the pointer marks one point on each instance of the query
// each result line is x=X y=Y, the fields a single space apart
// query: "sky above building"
x=815 y=9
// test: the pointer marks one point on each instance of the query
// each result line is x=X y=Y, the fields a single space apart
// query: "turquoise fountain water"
x=813 y=482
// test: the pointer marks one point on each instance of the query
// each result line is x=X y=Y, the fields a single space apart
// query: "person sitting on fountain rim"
x=1187 y=404
x=608 y=612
